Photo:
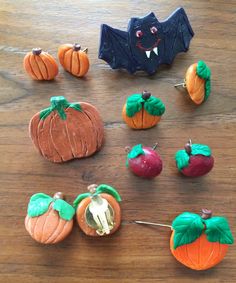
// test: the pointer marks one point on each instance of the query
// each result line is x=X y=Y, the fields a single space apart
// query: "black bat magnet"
x=147 y=43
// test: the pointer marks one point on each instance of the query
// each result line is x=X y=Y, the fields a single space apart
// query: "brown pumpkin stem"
x=37 y=51
x=206 y=213
x=188 y=146
x=59 y=195
x=76 y=47
x=127 y=149
x=92 y=188
x=146 y=95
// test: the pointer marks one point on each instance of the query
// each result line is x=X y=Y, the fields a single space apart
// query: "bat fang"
x=155 y=50
x=148 y=53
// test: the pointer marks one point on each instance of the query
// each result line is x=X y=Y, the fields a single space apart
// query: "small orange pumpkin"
x=98 y=212
x=66 y=130
x=49 y=220
x=73 y=59
x=40 y=65
x=142 y=111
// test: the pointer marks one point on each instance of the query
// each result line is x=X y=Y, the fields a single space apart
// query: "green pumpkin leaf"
x=187 y=228
x=66 y=211
x=38 y=204
x=207 y=89
x=203 y=71
x=218 y=230
x=109 y=190
x=80 y=198
x=182 y=159
x=76 y=106
x=154 y=106
x=200 y=149
x=134 y=104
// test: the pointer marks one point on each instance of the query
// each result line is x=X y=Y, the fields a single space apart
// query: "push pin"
x=198 y=242
x=197 y=82
x=98 y=211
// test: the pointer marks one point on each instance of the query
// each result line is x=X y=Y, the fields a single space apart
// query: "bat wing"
x=115 y=50
x=178 y=34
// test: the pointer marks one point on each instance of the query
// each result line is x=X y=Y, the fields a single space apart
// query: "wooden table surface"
x=135 y=253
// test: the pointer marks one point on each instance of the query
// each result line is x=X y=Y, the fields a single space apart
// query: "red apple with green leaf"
x=144 y=161
x=194 y=160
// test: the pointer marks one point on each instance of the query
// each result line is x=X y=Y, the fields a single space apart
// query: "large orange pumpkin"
x=73 y=59
x=142 y=111
x=49 y=220
x=104 y=221
x=67 y=130
x=40 y=65
x=200 y=242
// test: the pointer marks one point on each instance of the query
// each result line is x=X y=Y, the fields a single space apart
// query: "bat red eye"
x=139 y=33
x=153 y=30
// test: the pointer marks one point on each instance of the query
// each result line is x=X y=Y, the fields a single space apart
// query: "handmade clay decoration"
x=40 y=65
x=144 y=161
x=143 y=111
x=197 y=82
x=49 y=220
x=198 y=242
x=73 y=59
x=66 y=130
x=194 y=160
x=147 y=43
x=98 y=211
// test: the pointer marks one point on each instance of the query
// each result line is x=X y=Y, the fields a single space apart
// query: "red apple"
x=144 y=161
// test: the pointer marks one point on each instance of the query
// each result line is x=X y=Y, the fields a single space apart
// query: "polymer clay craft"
x=194 y=160
x=144 y=161
x=40 y=65
x=142 y=111
x=147 y=43
x=197 y=82
x=65 y=131
x=73 y=59
x=198 y=242
x=98 y=211
x=49 y=220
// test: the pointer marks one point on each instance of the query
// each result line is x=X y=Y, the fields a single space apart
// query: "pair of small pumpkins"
x=41 y=65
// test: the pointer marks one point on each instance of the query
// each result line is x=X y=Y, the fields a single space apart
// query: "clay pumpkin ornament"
x=40 y=65
x=142 y=111
x=197 y=82
x=65 y=131
x=73 y=59
x=49 y=220
x=98 y=212
x=198 y=242
x=194 y=160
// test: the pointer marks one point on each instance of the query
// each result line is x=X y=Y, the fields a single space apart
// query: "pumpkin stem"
x=59 y=103
x=146 y=95
x=37 y=51
x=92 y=188
x=188 y=146
x=76 y=47
x=206 y=213
x=59 y=195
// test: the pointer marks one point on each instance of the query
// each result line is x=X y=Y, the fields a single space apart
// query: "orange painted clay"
x=201 y=254
x=73 y=59
x=80 y=214
x=195 y=85
x=40 y=65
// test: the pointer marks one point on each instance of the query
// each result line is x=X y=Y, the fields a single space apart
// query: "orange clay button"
x=49 y=220
x=98 y=211
x=197 y=82
x=40 y=65
x=73 y=59
x=142 y=111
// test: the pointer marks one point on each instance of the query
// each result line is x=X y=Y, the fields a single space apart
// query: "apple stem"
x=155 y=146
x=127 y=149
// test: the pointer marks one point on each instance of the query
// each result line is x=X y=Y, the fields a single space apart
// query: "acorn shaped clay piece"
x=73 y=59
x=200 y=242
x=98 y=212
x=49 y=220
x=40 y=65
x=144 y=161
x=194 y=160
x=142 y=111
x=65 y=131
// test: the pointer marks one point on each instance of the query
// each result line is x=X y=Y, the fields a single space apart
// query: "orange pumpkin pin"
x=197 y=82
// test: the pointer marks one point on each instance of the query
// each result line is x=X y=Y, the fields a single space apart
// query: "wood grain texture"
x=134 y=253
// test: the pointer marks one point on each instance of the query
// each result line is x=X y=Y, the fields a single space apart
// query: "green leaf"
x=154 y=106
x=187 y=228
x=182 y=159
x=109 y=190
x=136 y=151
x=76 y=106
x=80 y=198
x=207 y=89
x=203 y=71
x=66 y=211
x=218 y=230
x=200 y=149
x=38 y=204
x=134 y=104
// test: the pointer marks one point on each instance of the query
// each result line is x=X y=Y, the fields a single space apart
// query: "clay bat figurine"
x=147 y=43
